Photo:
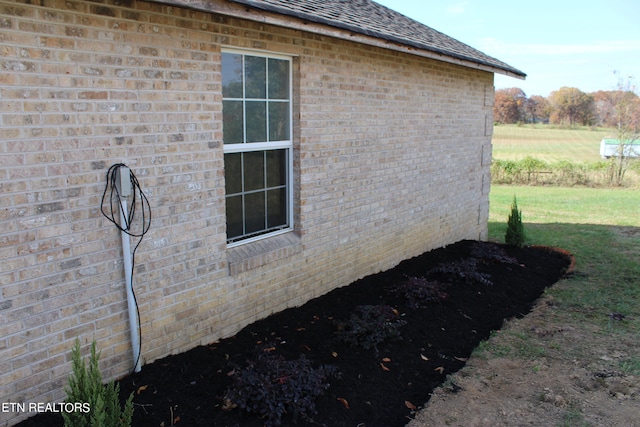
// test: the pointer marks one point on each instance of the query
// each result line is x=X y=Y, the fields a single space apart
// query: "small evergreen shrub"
x=515 y=229
x=85 y=386
x=370 y=325
x=272 y=387
x=420 y=292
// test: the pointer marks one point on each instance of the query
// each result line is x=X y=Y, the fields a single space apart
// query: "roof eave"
x=283 y=18
x=396 y=43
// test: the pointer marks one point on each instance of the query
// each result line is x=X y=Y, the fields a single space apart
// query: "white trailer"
x=609 y=147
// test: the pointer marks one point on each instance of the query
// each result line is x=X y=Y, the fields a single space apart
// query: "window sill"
x=261 y=252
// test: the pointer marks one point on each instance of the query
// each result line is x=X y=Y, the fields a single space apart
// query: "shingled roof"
x=368 y=18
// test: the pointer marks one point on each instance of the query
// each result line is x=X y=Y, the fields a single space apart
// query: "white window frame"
x=264 y=146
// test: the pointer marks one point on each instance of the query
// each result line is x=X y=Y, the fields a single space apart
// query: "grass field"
x=560 y=156
x=569 y=205
x=601 y=228
x=512 y=142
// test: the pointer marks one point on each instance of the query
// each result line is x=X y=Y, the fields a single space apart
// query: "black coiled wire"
x=112 y=176
x=138 y=200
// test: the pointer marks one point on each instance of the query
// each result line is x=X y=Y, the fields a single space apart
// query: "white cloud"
x=498 y=47
x=458 y=8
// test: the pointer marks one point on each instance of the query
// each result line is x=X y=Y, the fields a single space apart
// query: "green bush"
x=532 y=165
x=515 y=229
x=85 y=386
x=531 y=171
x=571 y=173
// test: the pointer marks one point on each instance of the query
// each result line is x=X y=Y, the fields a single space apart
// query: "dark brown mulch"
x=482 y=285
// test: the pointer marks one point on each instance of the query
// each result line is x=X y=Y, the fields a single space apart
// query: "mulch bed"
x=476 y=286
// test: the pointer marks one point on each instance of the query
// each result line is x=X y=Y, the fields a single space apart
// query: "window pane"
x=231 y=75
x=256 y=121
x=278 y=79
x=256 y=109
x=278 y=121
x=254 y=170
x=233 y=173
x=232 y=120
x=276 y=168
x=254 y=212
x=234 y=217
x=255 y=70
x=276 y=207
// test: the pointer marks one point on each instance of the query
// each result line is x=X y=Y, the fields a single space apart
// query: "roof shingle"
x=372 y=19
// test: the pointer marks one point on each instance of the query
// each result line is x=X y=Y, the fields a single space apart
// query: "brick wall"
x=392 y=158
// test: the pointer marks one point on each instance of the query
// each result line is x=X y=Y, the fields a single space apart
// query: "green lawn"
x=573 y=205
x=601 y=227
x=543 y=142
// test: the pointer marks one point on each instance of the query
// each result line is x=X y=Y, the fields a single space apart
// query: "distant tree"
x=537 y=109
x=509 y=105
x=571 y=106
x=605 y=110
x=607 y=103
x=626 y=113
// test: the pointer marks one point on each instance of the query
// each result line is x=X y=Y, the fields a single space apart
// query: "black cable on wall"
x=139 y=202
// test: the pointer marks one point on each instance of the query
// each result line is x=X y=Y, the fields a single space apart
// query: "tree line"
x=569 y=106
x=618 y=109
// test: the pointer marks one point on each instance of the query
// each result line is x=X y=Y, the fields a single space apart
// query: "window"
x=256 y=120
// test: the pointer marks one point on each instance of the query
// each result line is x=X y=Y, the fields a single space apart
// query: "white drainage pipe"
x=125 y=189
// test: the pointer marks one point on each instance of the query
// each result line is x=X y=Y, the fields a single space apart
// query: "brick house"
x=286 y=148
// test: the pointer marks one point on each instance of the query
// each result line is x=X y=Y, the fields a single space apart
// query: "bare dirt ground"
x=542 y=371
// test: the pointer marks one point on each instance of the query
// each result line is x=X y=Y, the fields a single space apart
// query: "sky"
x=589 y=44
